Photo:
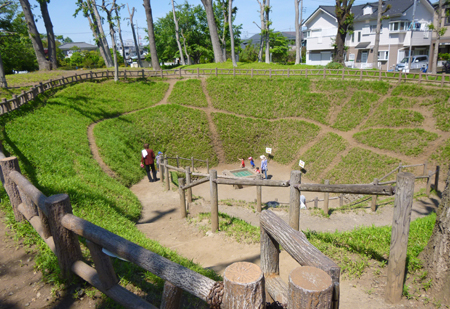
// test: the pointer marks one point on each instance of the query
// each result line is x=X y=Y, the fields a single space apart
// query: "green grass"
x=410 y=142
x=244 y=137
x=172 y=129
x=248 y=65
x=348 y=85
x=268 y=98
x=442 y=156
x=321 y=154
x=442 y=114
x=53 y=151
x=361 y=166
x=354 y=112
x=408 y=90
x=188 y=92
x=7 y=93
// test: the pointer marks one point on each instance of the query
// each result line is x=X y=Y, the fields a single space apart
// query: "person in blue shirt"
x=264 y=166
x=252 y=162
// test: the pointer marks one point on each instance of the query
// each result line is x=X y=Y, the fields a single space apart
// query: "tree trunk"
x=151 y=35
x=120 y=36
x=50 y=35
x=377 y=35
x=436 y=256
x=230 y=23
x=177 y=34
x=98 y=23
x=438 y=37
x=136 y=46
x=224 y=42
x=185 y=49
x=34 y=36
x=267 y=10
x=213 y=30
x=262 y=5
x=297 y=33
x=343 y=12
x=3 y=83
x=94 y=28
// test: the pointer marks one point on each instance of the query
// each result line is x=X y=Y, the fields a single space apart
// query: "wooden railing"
x=191 y=160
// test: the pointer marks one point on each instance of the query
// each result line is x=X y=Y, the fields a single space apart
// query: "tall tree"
x=50 y=35
x=267 y=21
x=3 y=82
x=112 y=7
x=230 y=23
x=344 y=18
x=136 y=46
x=102 y=37
x=438 y=28
x=120 y=34
x=224 y=8
x=436 y=256
x=213 y=30
x=151 y=35
x=35 y=36
x=177 y=34
x=262 y=6
x=298 y=41
x=380 y=14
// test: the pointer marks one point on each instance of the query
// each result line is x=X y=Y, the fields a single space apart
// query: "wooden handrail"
x=253 y=182
x=195 y=183
x=350 y=188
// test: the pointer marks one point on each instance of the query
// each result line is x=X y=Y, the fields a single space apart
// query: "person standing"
x=264 y=166
x=148 y=159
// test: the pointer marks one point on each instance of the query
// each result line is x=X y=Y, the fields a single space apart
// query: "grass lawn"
x=188 y=92
x=410 y=142
x=245 y=137
x=320 y=155
x=248 y=65
x=348 y=85
x=442 y=156
x=361 y=166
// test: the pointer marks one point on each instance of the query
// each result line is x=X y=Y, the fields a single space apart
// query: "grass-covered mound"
x=172 y=129
x=321 y=154
x=351 y=85
x=442 y=156
x=361 y=166
x=410 y=142
x=53 y=150
x=188 y=92
x=244 y=137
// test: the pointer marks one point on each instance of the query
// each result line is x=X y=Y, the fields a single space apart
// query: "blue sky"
x=282 y=16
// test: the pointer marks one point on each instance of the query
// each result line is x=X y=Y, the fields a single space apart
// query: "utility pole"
x=410 y=41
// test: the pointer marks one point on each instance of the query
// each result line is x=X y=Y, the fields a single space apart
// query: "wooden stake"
x=182 y=197
x=374 y=197
x=7 y=166
x=430 y=173
x=167 y=174
x=103 y=265
x=188 y=181
x=436 y=179
x=214 y=201
x=171 y=298
x=326 y=198
x=258 y=195
x=294 y=200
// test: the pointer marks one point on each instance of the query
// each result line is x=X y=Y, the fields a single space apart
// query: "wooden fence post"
x=288 y=71
x=217 y=73
x=143 y=73
x=167 y=174
x=324 y=73
x=252 y=73
x=420 y=77
x=430 y=173
x=442 y=79
x=243 y=286
x=425 y=165
x=192 y=163
x=404 y=194
x=400 y=167
x=171 y=298
x=8 y=165
x=270 y=261
x=182 y=197
x=178 y=161
x=188 y=181
x=316 y=202
x=374 y=197
x=207 y=166
x=341 y=200
x=436 y=178
x=379 y=74
x=198 y=72
x=161 y=169
x=270 y=72
x=258 y=194
x=309 y=288
x=103 y=265
x=214 y=201
x=234 y=72
x=360 y=74
x=326 y=197
x=294 y=200
x=343 y=73
x=67 y=247
x=306 y=73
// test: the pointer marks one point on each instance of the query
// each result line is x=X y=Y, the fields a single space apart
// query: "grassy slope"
x=188 y=92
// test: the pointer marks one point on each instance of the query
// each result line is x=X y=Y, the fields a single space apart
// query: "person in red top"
x=242 y=162
x=148 y=160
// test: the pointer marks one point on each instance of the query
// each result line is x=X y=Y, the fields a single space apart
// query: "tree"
x=267 y=21
x=344 y=18
x=436 y=256
x=213 y=30
x=120 y=34
x=440 y=30
x=177 y=34
x=262 y=9
x=112 y=32
x=138 y=52
x=3 y=83
x=378 y=31
x=50 y=35
x=298 y=40
x=230 y=22
x=151 y=35
x=35 y=36
x=279 y=46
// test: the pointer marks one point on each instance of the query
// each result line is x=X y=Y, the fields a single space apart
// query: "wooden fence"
x=26 y=96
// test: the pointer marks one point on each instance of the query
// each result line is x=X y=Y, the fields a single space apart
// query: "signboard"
x=301 y=164
x=269 y=150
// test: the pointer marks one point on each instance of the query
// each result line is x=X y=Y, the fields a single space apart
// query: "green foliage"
x=410 y=142
x=334 y=65
x=279 y=46
x=172 y=129
x=188 y=92
x=389 y=114
x=410 y=90
x=361 y=166
x=249 y=137
x=319 y=156
x=348 y=85
x=441 y=112
x=249 y=54
x=354 y=112
x=442 y=155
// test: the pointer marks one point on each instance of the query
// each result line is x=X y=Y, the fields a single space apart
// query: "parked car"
x=417 y=63
x=446 y=66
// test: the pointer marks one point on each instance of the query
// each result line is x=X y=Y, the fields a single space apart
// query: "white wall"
x=323 y=39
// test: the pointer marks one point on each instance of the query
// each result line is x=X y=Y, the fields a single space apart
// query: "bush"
x=334 y=66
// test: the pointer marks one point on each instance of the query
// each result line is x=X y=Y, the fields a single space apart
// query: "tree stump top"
x=310 y=278
x=243 y=273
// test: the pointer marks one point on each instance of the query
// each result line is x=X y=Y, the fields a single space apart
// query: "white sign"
x=269 y=150
x=301 y=164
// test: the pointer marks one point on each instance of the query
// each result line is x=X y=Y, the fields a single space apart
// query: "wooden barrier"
x=214 y=200
x=326 y=199
x=182 y=197
x=294 y=200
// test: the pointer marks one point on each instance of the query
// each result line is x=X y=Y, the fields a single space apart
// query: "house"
x=130 y=49
x=398 y=33
x=70 y=48
x=444 y=42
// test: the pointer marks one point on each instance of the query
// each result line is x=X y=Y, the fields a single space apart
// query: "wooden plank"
x=388 y=174
x=36 y=196
x=214 y=201
x=37 y=225
x=253 y=182
x=277 y=288
x=8 y=165
x=171 y=167
x=294 y=200
x=166 y=168
x=195 y=183
x=103 y=266
x=344 y=188
x=182 y=277
x=404 y=195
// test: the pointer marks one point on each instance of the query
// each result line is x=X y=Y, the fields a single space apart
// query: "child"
x=158 y=159
x=257 y=171
x=242 y=162
x=252 y=163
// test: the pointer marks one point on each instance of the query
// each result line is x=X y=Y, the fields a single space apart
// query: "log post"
x=166 y=169
x=294 y=200
x=270 y=72
x=67 y=247
x=425 y=165
x=374 y=197
x=404 y=194
x=162 y=73
x=192 y=163
x=251 y=73
x=343 y=73
x=430 y=173
x=420 y=77
x=270 y=265
x=436 y=178
x=103 y=265
x=309 y=288
x=8 y=165
x=324 y=73
x=234 y=72
x=316 y=202
x=207 y=166
x=360 y=74
x=288 y=72
x=44 y=222
x=442 y=79
x=161 y=168
x=178 y=161
x=326 y=198
x=400 y=167
x=341 y=200
x=198 y=72
x=214 y=201
x=143 y=73
x=258 y=194
x=188 y=182
x=216 y=72
x=243 y=286
x=171 y=298
x=182 y=197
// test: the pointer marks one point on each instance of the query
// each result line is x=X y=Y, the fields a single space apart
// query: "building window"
x=373 y=29
x=398 y=26
x=353 y=37
x=359 y=36
x=383 y=55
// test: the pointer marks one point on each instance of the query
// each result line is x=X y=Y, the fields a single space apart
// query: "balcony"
x=419 y=38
